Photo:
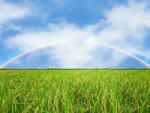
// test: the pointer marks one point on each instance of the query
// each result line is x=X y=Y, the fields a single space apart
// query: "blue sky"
x=74 y=33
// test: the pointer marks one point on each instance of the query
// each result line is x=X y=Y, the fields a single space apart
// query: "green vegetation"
x=75 y=91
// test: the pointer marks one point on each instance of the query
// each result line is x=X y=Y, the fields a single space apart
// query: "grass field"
x=75 y=91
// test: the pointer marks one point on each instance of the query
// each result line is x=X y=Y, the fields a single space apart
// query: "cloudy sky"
x=74 y=33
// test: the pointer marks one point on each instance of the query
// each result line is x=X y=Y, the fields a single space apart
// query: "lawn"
x=74 y=91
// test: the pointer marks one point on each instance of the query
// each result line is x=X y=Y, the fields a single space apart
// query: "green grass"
x=75 y=91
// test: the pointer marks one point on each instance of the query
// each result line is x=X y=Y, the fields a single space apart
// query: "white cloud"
x=66 y=41
x=10 y=11
x=130 y=16
x=124 y=27
x=127 y=26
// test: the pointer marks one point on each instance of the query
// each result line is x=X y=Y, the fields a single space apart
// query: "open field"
x=74 y=91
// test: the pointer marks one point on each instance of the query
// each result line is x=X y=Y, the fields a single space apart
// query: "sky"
x=74 y=34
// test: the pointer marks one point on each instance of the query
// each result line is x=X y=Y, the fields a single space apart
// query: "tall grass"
x=75 y=91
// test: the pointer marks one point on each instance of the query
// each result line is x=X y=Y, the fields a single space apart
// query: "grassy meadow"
x=74 y=91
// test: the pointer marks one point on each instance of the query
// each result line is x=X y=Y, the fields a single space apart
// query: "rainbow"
x=14 y=59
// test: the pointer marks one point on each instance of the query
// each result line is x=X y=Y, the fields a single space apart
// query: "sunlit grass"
x=74 y=91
